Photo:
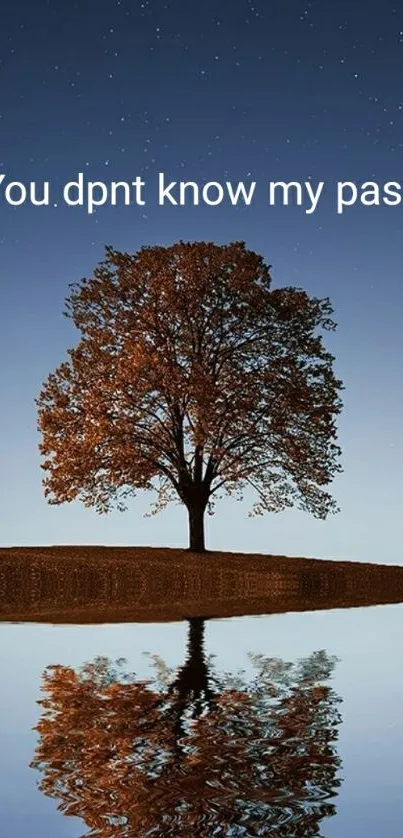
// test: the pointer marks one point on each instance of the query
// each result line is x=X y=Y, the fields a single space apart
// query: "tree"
x=193 y=378
x=195 y=752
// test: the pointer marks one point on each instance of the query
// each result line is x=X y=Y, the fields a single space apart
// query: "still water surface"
x=287 y=725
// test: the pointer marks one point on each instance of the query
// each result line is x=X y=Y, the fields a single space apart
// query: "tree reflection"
x=192 y=753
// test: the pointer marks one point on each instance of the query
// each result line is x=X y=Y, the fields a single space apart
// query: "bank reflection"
x=194 y=752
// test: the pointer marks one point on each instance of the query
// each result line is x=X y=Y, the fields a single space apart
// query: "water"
x=230 y=736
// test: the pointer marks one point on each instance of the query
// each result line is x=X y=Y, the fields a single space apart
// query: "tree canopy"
x=193 y=378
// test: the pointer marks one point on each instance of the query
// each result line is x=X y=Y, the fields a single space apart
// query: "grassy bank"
x=144 y=584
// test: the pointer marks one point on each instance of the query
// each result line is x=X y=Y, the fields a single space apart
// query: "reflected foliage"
x=193 y=752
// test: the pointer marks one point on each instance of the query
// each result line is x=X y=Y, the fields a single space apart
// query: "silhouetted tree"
x=192 y=377
x=196 y=753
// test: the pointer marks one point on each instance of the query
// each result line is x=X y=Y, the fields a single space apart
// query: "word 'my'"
x=299 y=193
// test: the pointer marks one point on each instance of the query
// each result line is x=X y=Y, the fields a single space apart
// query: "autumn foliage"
x=193 y=378
x=193 y=753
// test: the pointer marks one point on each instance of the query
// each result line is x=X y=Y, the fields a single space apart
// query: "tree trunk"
x=196 y=529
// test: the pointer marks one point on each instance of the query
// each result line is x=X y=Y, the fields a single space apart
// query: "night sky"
x=212 y=90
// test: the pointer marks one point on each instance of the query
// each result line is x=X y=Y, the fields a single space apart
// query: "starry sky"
x=244 y=90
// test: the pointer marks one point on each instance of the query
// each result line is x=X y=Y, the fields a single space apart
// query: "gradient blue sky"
x=209 y=91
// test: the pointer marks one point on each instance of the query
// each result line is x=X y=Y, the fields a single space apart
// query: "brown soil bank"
x=144 y=584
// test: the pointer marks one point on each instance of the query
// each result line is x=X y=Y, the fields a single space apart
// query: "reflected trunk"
x=191 y=690
x=192 y=683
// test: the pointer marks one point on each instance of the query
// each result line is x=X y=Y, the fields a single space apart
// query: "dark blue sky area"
x=207 y=91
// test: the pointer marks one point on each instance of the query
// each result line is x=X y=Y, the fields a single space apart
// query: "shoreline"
x=94 y=584
x=118 y=553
